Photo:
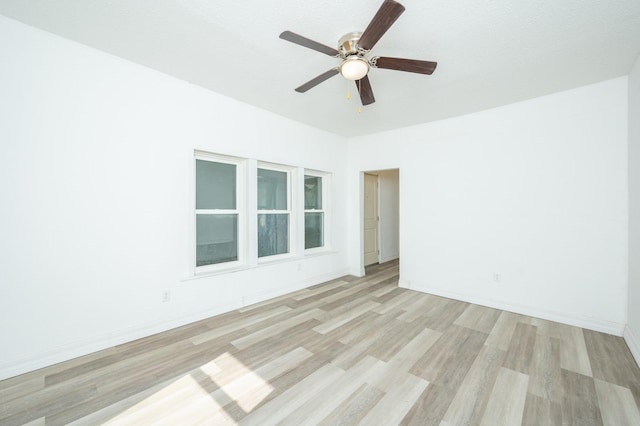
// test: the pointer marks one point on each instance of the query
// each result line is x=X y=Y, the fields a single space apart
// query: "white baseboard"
x=359 y=273
x=130 y=334
x=632 y=343
x=589 y=323
x=106 y=341
x=384 y=259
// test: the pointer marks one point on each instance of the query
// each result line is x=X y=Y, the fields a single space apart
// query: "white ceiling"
x=489 y=52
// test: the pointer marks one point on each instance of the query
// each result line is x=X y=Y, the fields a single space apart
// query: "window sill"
x=318 y=252
x=280 y=260
x=207 y=274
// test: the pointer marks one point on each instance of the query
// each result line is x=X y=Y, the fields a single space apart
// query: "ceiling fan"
x=354 y=52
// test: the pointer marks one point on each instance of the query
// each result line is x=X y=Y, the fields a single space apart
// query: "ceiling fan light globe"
x=354 y=68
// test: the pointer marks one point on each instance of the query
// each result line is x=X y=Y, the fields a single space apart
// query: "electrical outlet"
x=496 y=277
x=299 y=266
x=166 y=296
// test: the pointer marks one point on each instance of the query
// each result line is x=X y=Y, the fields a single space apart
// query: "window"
x=248 y=212
x=273 y=212
x=218 y=213
x=313 y=212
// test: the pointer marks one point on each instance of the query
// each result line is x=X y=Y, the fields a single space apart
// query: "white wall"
x=534 y=192
x=96 y=171
x=96 y=175
x=389 y=212
x=632 y=333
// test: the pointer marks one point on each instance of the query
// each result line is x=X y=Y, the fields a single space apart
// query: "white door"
x=370 y=219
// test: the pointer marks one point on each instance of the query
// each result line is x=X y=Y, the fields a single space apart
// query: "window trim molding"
x=326 y=227
x=240 y=210
x=292 y=211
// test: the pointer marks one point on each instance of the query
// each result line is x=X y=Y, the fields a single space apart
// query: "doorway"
x=380 y=216
x=371 y=220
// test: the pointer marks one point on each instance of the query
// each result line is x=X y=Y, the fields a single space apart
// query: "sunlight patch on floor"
x=248 y=389
x=169 y=399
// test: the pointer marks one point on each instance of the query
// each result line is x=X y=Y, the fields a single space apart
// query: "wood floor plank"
x=226 y=329
x=470 y=401
x=395 y=338
x=354 y=349
x=121 y=407
x=545 y=375
x=580 y=401
x=397 y=302
x=275 y=345
x=338 y=320
x=397 y=368
x=287 y=380
x=358 y=347
x=136 y=377
x=396 y=402
x=502 y=332
x=617 y=405
x=506 y=403
x=395 y=292
x=279 y=408
x=444 y=363
x=24 y=410
x=322 y=291
x=416 y=307
x=541 y=411
x=574 y=356
x=446 y=314
x=330 y=398
x=382 y=291
x=612 y=361
x=430 y=406
x=358 y=331
x=573 y=351
x=41 y=374
x=479 y=318
x=262 y=334
x=246 y=391
x=37 y=422
x=21 y=388
x=353 y=409
x=521 y=348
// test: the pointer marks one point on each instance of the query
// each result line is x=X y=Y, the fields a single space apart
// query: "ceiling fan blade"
x=408 y=65
x=315 y=81
x=366 y=93
x=381 y=22
x=303 y=41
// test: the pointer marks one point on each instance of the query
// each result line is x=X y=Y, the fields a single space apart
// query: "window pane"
x=272 y=190
x=216 y=238
x=273 y=234
x=312 y=193
x=215 y=185
x=313 y=230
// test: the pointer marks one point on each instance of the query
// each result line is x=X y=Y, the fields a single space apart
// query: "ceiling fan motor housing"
x=354 y=65
x=348 y=44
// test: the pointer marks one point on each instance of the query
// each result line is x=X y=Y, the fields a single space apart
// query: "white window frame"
x=240 y=210
x=290 y=211
x=326 y=181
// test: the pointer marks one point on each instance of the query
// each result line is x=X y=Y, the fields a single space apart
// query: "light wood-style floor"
x=350 y=351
